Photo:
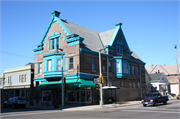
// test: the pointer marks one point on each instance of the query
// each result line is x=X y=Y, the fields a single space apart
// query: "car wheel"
x=144 y=105
x=165 y=102
x=13 y=106
x=155 y=103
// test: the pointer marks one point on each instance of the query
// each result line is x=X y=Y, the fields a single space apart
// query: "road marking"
x=30 y=113
x=157 y=111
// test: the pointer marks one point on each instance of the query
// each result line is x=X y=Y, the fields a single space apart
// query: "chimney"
x=152 y=65
x=55 y=13
x=164 y=65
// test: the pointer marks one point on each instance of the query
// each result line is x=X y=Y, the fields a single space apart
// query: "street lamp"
x=177 y=70
x=62 y=79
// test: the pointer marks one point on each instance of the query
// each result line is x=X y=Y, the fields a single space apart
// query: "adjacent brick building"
x=81 y=63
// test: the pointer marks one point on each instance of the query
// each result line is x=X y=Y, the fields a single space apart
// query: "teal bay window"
x=53 y=64
x=121 y=67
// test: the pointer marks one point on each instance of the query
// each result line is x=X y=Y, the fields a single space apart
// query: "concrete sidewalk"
x=87 y=107
x=90 y=107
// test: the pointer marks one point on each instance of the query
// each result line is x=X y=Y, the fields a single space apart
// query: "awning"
x=109 y=87
x=71 y=83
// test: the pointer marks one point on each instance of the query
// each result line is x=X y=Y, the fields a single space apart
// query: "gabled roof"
x=172 y=79
x=92 y=39
x=106 y=36
x=155 y=77
x=169 y=69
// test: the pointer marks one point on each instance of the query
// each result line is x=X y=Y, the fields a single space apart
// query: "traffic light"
x=64 y=80
x=66 y=86
x=101 y=79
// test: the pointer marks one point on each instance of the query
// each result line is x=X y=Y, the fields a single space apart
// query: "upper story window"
x=40 y=68
x=93 y=64
x=49 y=65
x=58 y=65
x=130 y=84
x=71 y=63
x=130 y=72
x=57 y=43
x=110 y=66
x=53 y=44
x=125 y=67
x=118 y=67
x=119 y=48
x=9 y=79
x=134 y=85
x=133 y=70
x=138 y=70
x=22 y=78
x=104 y=65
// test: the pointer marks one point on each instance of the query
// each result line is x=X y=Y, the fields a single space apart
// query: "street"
x=169 y=111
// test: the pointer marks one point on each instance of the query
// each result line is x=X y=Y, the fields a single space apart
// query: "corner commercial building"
x=81 y=63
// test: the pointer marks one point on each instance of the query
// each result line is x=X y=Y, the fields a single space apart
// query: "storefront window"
x=88 y=96
x=46 y=95
x=82 y=95
x=73 y=96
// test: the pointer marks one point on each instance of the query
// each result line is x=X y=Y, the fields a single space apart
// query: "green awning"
x=72 y=83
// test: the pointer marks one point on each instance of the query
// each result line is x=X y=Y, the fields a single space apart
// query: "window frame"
x=93 y=66
x=40 y=68
x=49 y=68
x=60 y=65
x=71 y=63
x=118 y=62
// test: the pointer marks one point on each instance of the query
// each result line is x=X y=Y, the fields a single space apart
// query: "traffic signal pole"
x=101 y=97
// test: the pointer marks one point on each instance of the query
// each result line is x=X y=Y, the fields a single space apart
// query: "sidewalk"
x=90 y=107
x=87 y=107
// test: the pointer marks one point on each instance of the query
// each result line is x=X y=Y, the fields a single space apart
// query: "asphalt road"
x=169 y=111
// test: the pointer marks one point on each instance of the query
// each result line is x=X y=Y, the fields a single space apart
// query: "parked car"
x=15 y=102
x=154 y=99
x=178 y=96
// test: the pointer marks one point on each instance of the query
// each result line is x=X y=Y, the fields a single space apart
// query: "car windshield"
x=151 y=95
x=21 y=98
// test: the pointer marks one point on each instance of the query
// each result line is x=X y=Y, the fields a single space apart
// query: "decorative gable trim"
x=54 y=35
x=119 y=30
x=74 y=39
x=109 y=48
x=55 y=18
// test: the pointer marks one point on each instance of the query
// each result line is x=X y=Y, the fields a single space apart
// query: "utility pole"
x=100 y=74
x=62 y=79
x=177 y=71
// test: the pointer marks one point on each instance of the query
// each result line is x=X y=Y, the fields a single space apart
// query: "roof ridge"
x=80 y=26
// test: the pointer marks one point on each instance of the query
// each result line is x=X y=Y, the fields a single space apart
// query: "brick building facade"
x=81 y=64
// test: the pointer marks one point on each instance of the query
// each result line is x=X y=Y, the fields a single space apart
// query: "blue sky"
x=151 y=28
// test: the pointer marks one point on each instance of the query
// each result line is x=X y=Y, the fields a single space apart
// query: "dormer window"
x=119 y=48
x=54 y=41
x=52 y=44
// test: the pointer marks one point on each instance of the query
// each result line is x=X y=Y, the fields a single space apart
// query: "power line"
x=16 y=54
x=170 y=60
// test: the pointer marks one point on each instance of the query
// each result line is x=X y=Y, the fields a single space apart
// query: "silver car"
x=15 y=102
